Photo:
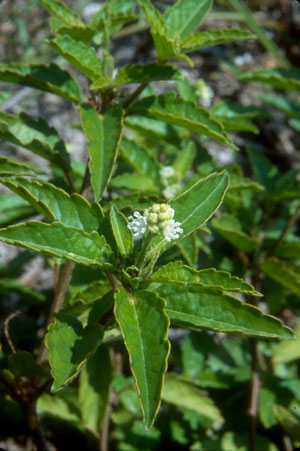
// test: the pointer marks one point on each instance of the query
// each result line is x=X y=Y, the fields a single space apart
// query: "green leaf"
x=22 y=364
x=285 y=273
x=60 y=406
x=78 y=54
x=283 y=104
x=10 y=167
x=59 y=10
x=82 y=32
x=148 y=352
x=194 y=207
x=139 y=159
x=185 y=16
x=95 y=379
x=47 y=78
x=288 y=421
x=229 y=228
x=13 y=286
x=184 y=160
x=235 y=117
x=280 y=78
x=189 y=249
x=210 y=308
x=155 y=129
x=214 y=37
x=166 y=48
x=69 y=346
x=153 y=16
x=35 y=135
x=288 y=351
x=122 y=234
x=133 y=201
x=185 y=395
x=266 y=400
x=176 y=111
x=177 y=272
x=238 y=183
x=134 y=182
x=139 y=74
x=60 y=241
x=72 y=210
x=103 y=134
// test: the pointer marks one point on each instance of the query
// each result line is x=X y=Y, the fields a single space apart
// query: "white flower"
x=157 y=217
x=137 y=224
x=172 y=230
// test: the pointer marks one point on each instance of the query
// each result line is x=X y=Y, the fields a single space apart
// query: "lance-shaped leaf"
x=35 y=135
x=185 y=395
x=176 y=111
x=230 y=229
x=60 y=241
x=166 y=47
x=59 y=10
x=280 y=78
x=185 y=16
x=139 y=74
x=214 y=37
x=148 y=348
x=103 y=133
x=285 y=273
x=10 y=167
x=177 y=272
x=69 y=346
x=95 y=379
x=210 y=308
x=121 y=232
x=195 y=206
x=47 y=78
x=72 y=210
x=79 y=54
x=139 y=159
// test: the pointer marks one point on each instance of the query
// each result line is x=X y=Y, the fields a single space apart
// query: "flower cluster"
x=170 y=180
x=156 y=218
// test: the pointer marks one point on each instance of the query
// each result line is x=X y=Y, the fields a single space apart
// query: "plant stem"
x=134 y=95
x=68 y=177
x=112 y=281
x=6 y=330
x=34 y=425
x=57 y=303
x=287 y=227
x=254 y=390
x=103 y=443
x=86 y=180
